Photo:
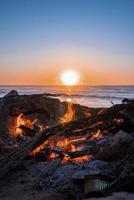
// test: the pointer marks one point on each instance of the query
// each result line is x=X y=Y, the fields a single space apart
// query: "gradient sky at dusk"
x=41 y=38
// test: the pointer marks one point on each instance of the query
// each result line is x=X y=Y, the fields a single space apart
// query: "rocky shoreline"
x=88 y=154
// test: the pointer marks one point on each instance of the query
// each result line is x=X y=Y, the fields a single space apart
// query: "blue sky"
x=97 y=33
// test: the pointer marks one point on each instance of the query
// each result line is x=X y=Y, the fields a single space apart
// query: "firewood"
x=74 y=154
x=25 y=149
x=27 y=131
x=85 y=142
x=7 y=163
x=50 y=150
x=85 y=151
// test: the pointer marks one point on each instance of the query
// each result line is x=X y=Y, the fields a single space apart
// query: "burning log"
x=50 y=150
x=7 y=163
x=27 y=131
x=76 y=154
x=73 y=154
x=26 y=149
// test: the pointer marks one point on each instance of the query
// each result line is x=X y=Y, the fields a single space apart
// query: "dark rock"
x=66 y=170
x=51 y=196
x=98 y=165
x=126 y=100
x=62 y=180
x=12 y=93
x=115 y=196
x=79 y=176
x=114 y=147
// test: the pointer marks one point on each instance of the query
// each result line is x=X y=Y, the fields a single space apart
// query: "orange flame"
x=69 y=115
x=77 y=160
x=97 y=135
x=22 y=120
x=66 y=145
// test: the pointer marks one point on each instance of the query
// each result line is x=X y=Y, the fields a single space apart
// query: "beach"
x=91 y=96
x=53 y=149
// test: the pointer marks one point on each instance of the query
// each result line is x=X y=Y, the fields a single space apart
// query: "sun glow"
x=70 y=78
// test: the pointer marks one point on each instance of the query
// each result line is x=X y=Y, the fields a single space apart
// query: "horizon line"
x=25 y=85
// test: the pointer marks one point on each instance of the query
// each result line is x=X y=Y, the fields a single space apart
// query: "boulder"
x=12 y=93
x=98 y=165
x=114 y=147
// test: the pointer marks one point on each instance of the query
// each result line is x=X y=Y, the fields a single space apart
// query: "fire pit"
x=66 y=138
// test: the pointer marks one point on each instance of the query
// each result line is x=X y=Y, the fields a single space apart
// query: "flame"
x=97 y=135
x=22 y=120
x=87 y=114
x=67 y=144
x=35 y=151
x=77 y=160
x=69 y=115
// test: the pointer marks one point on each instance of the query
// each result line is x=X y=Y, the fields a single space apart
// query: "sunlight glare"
x=70 y=77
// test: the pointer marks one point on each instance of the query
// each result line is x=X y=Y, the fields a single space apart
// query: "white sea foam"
x=95 y=96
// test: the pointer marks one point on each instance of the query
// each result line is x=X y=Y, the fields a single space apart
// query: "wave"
x=87 y=96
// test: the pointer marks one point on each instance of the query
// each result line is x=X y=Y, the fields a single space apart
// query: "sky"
x=39 y=39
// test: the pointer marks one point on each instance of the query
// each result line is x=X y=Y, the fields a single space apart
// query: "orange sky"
x=40 y=39
x=46 y=71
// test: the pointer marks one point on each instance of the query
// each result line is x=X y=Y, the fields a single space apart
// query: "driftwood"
x=73 y=154
x=7 y=163
x=85 y=142
x=48 y=151
x=76 y=154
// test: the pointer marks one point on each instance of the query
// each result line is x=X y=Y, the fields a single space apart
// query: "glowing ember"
x=67 y=143
x=97 y=135
x=22 y=120
x=77 y=160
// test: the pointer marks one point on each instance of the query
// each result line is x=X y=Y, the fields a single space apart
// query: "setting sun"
x=70 y=77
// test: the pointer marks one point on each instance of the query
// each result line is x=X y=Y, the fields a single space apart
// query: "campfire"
x=21 y=123
x=61 y=134
x=28 y=126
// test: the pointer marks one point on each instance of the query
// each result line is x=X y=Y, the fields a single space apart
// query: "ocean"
x=91 y=96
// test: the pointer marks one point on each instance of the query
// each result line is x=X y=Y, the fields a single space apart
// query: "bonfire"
x=81 y=149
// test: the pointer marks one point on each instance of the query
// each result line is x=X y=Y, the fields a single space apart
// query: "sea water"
x=91 y=96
